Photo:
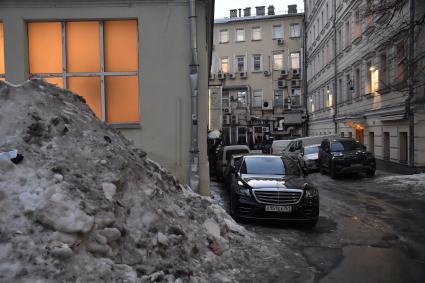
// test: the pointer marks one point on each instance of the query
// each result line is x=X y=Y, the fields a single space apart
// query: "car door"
x=326 y=155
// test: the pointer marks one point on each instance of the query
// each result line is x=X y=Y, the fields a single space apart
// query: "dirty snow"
x=413 y=184
x=83 y=206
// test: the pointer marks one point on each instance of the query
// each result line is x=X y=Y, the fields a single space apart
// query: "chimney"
x=233 y=13
x=240 y=12
x=247 y=12
x=260 y=10
x=270 y=10
x=292 y=9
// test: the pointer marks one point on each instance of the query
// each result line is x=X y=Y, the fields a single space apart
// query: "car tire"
x=332 y=172
x=370 y=173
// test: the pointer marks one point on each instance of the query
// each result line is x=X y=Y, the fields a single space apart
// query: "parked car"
x=272 y=187
x=234 y=162
x=267 y=147
x=224 y=155
x=295 y=146
x=345 y=155
x=309 y=157
x=279 y=145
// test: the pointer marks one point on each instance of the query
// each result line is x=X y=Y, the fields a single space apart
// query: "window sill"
x=294 y=37
x=347 y=48
x=256 y=71
x=223 y=42
x=256 y=39
x=132 y=125
x=238 y=41
x=327 y=25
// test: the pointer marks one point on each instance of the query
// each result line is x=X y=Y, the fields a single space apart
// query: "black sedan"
x=272 y=187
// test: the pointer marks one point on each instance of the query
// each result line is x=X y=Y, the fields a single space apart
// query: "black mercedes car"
x=345 y=155
x=272 y=187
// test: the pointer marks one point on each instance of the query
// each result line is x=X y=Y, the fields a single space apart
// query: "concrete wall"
x=164 y=56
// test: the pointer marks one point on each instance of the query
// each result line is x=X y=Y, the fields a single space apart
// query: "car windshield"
x=258 y=165
x=346 y=145
x=311 y=150
x=229 y=153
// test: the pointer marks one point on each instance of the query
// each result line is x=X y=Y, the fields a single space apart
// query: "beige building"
x=129 y=59
x=358 y=84
x=257 y=63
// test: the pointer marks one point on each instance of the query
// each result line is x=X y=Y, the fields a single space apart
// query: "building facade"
x=357 y=76
x=130 y=65
x=257 y=64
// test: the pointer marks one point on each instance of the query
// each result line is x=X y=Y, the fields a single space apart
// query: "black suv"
x=345 y=155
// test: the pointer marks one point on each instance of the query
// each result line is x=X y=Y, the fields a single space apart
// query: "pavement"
x=367 y=231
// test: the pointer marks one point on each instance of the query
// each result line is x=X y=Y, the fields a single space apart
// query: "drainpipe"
x=411 y=83
x=304 y=74
x=335 y=95
x=194 y=80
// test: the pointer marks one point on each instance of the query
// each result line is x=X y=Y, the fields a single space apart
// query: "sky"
x=222 y=7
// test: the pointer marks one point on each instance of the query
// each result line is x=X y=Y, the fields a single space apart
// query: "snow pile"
x=414 y=184
x=83 y=206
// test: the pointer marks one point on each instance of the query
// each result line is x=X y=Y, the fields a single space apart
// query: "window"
x=256 y=33
x=240 y=34
x=1 y=52
x=374 y=77
x=295 y=30
x=278 y=97
x=242 y=136
x=225 y=100
x=357 y=83
x=327 y=11
x=295 y=60
x=257 y=98
x=339 y=42
x=277 y=31
x=278 y=61
x=347 y=34
x=349 y=87
x=323 y=19
x=339 y=94
x=383 y=79
x=240 y=63
x=241 y=98
x=368 y=82
x=369 y=15
x=357 y=24
x=401 y=62
x=224 y=64
x=256 y=63
x=224 y=36
x=112 y=94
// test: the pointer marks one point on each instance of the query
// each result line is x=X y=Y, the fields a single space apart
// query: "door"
x=386 y=144
x=372 y=142
x=403 y=147
x=360 y=135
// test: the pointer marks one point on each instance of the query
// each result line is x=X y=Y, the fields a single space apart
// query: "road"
x=366 y=232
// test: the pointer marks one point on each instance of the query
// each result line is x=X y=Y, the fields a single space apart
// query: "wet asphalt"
x=365 y=233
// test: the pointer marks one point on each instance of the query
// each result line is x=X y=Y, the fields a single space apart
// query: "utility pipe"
x=335 y=95
x=194 y=81
x=411 y=83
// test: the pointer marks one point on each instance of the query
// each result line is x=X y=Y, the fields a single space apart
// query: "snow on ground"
x=83 y=206
x=413 y=184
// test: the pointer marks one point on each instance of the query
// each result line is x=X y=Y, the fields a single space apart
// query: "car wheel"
x=332 y=172
x=370 y=173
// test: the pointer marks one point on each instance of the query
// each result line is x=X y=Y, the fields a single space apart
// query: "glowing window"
x=68 y=54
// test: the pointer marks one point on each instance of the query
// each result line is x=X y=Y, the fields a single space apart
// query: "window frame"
x=253 y=32
x=237 y=57
x=274 y=36
x=243 y=35
x=220 y=32
x=257 y=93
x=292 y=33
x=299 y=59
x=281 y=60
x=102 y=74
x=253 y=63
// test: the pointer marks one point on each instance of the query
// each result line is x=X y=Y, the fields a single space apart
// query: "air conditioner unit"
x=243 y=75
x=266 y=73
x=280 y=41
x=267 y=104
x=283 y=73
x=221 y=76
x=227 y=110
x=296 y=72
x=296 y=83
x=232 y=75
x=281 y=83
x=212 y=76
x=226 y=119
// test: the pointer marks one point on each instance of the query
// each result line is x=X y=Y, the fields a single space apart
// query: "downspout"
x=410 y=83
x=194 y=80
x=335 y=95
x=304 y=74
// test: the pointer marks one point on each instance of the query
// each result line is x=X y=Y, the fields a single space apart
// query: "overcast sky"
x=222 y=7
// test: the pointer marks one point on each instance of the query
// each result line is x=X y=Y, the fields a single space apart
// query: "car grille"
x=277 y=197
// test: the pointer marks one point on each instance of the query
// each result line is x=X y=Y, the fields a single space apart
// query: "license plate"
x=273 y=208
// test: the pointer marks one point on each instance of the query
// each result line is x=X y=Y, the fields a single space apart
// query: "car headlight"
x=337 y=154
x=243 y=190
x=311 y=193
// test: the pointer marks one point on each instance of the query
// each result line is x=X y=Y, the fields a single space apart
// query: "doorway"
x=386 y=141
x=403 y=147
x=372 y=142
x=360 y=135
